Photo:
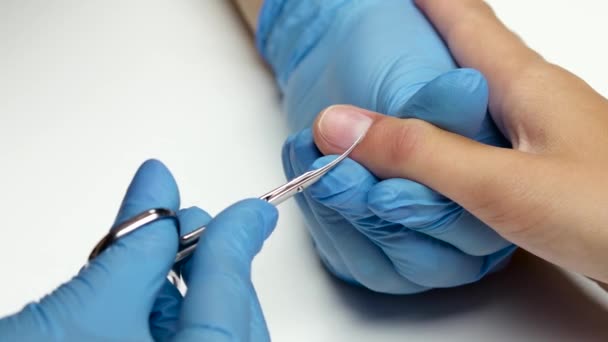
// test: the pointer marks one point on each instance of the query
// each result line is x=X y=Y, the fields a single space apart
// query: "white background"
x=89 y=89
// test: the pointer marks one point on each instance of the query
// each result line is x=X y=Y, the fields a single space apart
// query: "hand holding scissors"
x=122 y=294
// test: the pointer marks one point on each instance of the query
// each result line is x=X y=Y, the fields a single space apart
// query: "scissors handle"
x=187 y=242
x=127 y=227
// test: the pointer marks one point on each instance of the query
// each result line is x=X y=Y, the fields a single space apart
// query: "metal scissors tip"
x=306 y=179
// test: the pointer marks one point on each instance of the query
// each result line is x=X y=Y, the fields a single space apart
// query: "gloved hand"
x=123 y=294
x=394 y=235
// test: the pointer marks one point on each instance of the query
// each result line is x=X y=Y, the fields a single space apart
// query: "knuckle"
x=405 y=140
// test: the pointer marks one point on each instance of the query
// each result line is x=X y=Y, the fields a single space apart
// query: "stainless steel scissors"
x=189 y=241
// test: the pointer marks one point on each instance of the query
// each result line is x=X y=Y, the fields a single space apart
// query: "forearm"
x=249 y=10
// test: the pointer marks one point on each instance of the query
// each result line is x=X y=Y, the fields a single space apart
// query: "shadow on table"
x=533 y=290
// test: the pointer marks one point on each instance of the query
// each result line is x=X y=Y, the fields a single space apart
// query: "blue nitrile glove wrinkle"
x=286 y=42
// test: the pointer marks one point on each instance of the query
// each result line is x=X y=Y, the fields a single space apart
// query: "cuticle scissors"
x=189 y=241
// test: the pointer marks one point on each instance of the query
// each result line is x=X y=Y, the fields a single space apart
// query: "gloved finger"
x=420 y=208
x=190 y=219
x=118 y=288
x=143 y=258
x=365 y=261
x=259 y=330
x=456 y=101
x=165 y=313
x=306 y=154
x=428 y=261
x=318 y=217
x=166 y=309
x=426 y=206
x=498 y=53
x=221 y=303
x=419 y=258
x=345 y=189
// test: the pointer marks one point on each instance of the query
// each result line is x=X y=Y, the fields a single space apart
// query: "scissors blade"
x=277 y=196
x=303 y=181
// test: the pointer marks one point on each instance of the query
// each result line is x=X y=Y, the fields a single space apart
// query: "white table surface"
x=90 y=89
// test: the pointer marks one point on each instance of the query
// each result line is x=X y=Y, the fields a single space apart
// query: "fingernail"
x=341 y=126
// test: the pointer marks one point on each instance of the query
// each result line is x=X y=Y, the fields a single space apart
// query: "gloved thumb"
x=111 y=298
x=137 y=264
x=221 y=303
x=475 y=175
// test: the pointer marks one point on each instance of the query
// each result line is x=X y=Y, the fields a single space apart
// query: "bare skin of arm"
x=249 y=10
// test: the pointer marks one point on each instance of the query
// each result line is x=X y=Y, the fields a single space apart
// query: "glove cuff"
x=289 y=29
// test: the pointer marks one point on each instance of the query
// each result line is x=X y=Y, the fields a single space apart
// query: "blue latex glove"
x=394 y=235
x=123 y=294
